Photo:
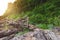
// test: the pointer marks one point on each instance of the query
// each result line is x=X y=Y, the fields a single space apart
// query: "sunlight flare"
x=4 y=5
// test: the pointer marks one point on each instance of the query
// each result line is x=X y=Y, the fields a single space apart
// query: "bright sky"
x=4 y=5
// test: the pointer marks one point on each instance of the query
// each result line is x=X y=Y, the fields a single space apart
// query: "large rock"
x=33 y=34
x=38 y=34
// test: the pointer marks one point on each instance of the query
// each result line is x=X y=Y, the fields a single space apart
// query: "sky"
x=4 y=5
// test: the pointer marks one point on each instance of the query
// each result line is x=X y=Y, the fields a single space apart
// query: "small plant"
x=43 y=26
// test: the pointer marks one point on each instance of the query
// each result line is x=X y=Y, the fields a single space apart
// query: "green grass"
x=45 y=26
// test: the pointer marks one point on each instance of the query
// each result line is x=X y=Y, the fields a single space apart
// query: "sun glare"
x=4 y=5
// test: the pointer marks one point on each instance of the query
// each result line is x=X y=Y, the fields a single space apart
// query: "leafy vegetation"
x=40 y=12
